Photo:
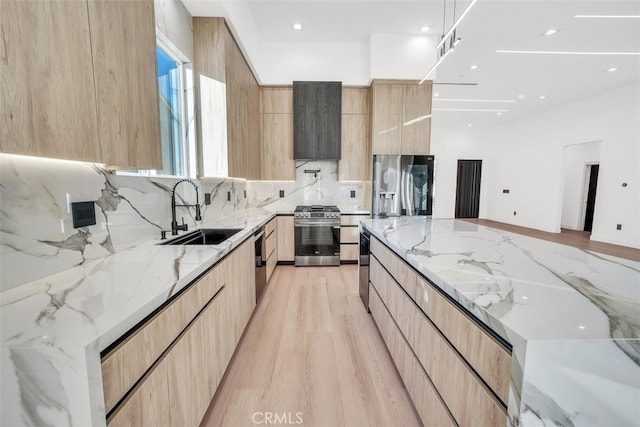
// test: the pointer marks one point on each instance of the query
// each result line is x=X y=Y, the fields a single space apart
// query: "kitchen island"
x=572 y=317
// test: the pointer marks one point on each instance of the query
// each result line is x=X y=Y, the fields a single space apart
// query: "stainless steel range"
x=317 y=235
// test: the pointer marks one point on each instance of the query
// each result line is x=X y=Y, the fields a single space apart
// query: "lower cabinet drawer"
x=270 y=245
x=463 y=392
x=147 y=404
x=271 y=264
x=426 y=400
x=349 y=252
x=349 y=235
x=490 y=359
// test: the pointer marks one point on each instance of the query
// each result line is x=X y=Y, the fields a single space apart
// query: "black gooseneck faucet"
x=174 y=224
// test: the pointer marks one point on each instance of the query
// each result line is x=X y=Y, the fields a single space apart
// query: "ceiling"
x=490 y=25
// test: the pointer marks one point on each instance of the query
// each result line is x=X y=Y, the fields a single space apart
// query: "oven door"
x=317 y=241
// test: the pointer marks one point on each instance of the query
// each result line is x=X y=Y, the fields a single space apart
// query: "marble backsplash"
x=319 y=185
x=37 y=237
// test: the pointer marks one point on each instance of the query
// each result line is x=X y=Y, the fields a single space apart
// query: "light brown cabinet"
x=182 y=377
x=286 y=238
x=95 y=97
x=147 y=404
x=271 y=246
x=350 y=237
x=356 y=148
x=277 y=133
x=455 y=364
x=123 y=39
x=401 y=117
x=218 y=57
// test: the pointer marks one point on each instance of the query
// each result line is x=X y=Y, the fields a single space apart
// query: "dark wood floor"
x=578 y=239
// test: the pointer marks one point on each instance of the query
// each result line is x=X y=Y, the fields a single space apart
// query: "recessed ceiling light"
x=611 y=70
x=542 y=96
x=424 y=29
x=499 y=114
x=550 y=32
x=473 y=67
x=297 y=26
x=469 y=125
x=436 y=94
x=520 y=96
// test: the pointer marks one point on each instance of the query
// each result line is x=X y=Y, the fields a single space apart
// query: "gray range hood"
x=317 y=120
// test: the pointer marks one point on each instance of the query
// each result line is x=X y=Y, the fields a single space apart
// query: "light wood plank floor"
x=578 y=239
x=311 y=353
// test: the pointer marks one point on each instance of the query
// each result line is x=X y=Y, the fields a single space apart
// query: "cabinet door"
x=188 y=384
x=123 y=43
x=354 y=161
x=355 y=100
x=147 y=404
x=286 y=238
x=48 y=102
x=237 y=127
x=277 y=147
x=386 y=118
x=416 y=119
x=277 y=100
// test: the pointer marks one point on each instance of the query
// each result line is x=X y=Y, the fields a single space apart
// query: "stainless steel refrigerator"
x=402 y=185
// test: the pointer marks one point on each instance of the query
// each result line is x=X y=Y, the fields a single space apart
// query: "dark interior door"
x=468 y=188
x=591 y=197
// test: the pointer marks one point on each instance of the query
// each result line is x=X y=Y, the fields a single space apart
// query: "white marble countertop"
x=53 y=329
x=572 y=316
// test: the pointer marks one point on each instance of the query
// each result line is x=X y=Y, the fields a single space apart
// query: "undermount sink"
x=204 y=236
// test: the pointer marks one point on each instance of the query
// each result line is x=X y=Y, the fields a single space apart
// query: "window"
x=177 y=127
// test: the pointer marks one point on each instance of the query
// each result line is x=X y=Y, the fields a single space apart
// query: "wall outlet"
x=281 y=193
x=353 y=194
x=228 y=196
x=83 y=214
x=207 y=198
x=618 y=226
x=514 y=213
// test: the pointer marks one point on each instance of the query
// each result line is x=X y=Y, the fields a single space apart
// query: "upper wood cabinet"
x=48 y=103
x=277 y=133
x=79 y=81
x=401 y=117
x=317 y=120
x=123 y=39
x=218 y=57
x=356 y=149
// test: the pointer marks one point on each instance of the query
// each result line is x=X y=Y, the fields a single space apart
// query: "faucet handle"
x=163 y=234
x=185 y=227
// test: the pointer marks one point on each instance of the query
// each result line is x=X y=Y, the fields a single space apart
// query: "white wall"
x=395 y=56
x=174 y=25
x=345 y=62
x=526 y=157
x=575 y=160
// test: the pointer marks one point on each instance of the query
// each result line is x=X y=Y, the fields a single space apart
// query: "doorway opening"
x=468 y=188
x=590 y=195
